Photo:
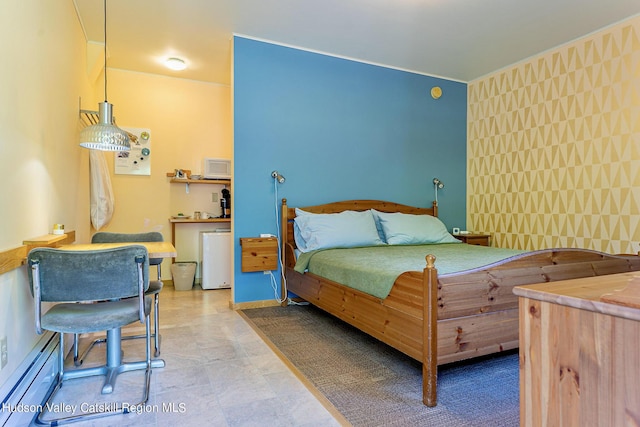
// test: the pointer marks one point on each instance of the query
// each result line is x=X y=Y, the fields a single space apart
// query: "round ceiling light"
x=176 y=64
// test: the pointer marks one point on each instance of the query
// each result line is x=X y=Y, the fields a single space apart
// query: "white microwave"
x=216 y=169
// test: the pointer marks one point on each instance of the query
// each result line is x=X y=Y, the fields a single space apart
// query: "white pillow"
x=407 y=229
x=340 y=230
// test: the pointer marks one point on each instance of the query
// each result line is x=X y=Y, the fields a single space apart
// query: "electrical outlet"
x=4 y=352
x=214 y=197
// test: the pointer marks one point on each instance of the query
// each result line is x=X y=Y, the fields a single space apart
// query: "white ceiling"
x=456 y=39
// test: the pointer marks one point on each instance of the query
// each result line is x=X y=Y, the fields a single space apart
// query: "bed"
x=435 y=318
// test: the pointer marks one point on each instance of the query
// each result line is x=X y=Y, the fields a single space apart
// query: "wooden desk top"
x=602 y=294
x=155 y=249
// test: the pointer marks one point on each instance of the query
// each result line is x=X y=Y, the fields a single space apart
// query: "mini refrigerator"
x=215 y=261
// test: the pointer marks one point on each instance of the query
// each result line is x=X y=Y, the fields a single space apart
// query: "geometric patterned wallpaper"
x=554 y=147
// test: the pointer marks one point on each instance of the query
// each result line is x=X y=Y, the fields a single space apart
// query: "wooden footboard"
x=441 y=319
x=402 y=320
x=430 y=333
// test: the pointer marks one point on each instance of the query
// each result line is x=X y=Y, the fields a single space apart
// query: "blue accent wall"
x=338 y=129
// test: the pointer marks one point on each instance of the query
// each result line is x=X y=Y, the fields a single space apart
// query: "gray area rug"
x=371 y=384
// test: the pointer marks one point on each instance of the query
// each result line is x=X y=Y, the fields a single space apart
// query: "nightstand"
x=259 y=254
x=474 y=238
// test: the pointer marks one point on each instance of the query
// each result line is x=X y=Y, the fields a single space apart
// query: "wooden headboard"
x=288 y=214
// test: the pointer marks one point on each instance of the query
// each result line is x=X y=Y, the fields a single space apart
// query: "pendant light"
x=104 y=135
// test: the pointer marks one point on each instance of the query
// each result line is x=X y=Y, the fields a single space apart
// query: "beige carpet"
x=371 y=384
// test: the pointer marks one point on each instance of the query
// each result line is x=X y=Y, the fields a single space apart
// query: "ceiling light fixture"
x=104 y=135
x=176 y=64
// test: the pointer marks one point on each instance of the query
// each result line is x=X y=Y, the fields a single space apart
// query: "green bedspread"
x=374 y=269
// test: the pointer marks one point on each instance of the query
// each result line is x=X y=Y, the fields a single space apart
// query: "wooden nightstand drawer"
x=259 y=253
x=474 y=239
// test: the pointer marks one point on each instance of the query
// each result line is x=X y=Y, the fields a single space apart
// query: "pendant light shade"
x=104 y=135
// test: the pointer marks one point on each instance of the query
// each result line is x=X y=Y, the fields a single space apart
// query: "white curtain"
x=102 y=199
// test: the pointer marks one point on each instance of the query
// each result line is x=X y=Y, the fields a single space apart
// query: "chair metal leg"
x=77 y=360
x=156 y=317
x=156 y=325
x=148 y=370
x=156 y=328
x=61 y=357
x=85 y=353
x=120 y=408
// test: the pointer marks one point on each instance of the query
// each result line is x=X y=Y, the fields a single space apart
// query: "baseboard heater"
x=26 y=389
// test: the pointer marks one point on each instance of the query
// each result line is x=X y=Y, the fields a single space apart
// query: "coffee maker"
x=225 y=203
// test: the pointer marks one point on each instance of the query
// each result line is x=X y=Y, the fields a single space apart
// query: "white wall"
x=44 y=172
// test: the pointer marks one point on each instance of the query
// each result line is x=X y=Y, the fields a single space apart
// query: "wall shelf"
x=16 y=257
x=175 y=220
x=200 y=181
x=187 y=181
x=196 y=181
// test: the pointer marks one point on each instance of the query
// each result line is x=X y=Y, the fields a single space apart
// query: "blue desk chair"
x=98 y=290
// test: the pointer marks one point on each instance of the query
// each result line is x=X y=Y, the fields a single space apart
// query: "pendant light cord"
x=105 y=50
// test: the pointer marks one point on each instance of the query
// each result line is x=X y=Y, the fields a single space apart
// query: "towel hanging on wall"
x=102 y=199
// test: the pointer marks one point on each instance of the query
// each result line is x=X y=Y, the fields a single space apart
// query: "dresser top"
x=614 y=294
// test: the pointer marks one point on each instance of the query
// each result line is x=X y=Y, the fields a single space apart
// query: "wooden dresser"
x=580 y=352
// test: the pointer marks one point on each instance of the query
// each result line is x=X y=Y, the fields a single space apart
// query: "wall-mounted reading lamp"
x=279 y=178
x=436 y=185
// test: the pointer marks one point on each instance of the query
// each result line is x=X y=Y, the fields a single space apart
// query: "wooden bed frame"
x=441 y=319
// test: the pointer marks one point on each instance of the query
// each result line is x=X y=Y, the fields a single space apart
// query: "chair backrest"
x=151 y=236
x=68 y=275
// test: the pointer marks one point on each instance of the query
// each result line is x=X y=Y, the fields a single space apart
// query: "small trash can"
x=184 y=275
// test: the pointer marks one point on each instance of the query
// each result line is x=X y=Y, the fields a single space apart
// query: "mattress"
x=374 y=269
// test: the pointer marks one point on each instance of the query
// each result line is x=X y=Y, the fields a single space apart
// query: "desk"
x=155 y=249
x=114 y=364
x=175 y=221
x=579 y=359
